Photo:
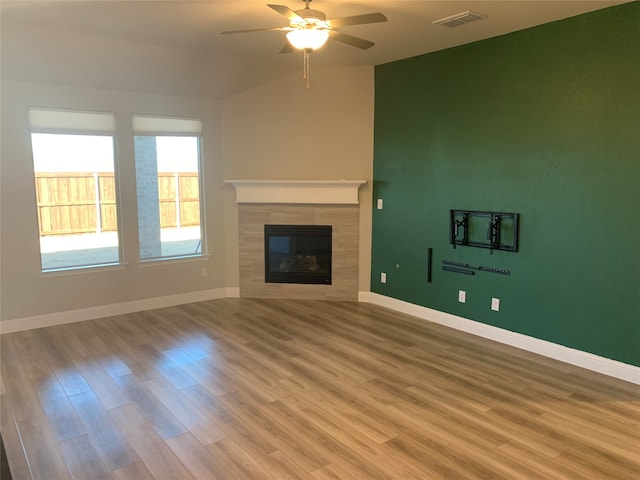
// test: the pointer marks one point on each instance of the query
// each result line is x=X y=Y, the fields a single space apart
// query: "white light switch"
x=495 y=304
x=379 y=204
x=383 y=277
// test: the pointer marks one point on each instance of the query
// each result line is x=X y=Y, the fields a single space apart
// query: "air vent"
x=459 y=19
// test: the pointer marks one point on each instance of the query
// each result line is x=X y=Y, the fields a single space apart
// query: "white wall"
x=278 y=130
x=25 y=291
x=281 y=130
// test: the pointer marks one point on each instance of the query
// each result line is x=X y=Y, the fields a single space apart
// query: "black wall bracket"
x=461 y=267
x=492 y=230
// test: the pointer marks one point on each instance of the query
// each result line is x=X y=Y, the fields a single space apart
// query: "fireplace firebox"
x=297 y=254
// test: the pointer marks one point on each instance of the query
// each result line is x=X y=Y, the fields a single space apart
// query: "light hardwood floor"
x=284 y=389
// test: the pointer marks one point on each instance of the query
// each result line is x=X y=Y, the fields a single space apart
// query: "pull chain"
x=305 y=65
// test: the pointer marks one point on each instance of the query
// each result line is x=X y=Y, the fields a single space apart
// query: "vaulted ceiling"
x=175 y=47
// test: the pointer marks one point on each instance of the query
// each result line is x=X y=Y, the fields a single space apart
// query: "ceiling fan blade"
x=287 y=12
x=350 y=40
x=288 y=48
x=358 y=20
x=249 y=30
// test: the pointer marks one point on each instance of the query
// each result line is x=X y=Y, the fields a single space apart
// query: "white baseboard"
x=71 y=316
x=233 y=292
x=606 y=366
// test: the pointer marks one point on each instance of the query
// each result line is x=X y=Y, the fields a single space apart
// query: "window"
x=167 y=158
x=73 y=160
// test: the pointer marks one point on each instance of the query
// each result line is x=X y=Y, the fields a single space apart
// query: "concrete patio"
x=67 y=251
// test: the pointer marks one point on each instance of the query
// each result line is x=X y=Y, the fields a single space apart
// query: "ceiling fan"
x=309 y=30
x=310 y=20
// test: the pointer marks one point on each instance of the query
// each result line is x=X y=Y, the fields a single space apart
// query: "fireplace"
x=297 y=254
x=299 y=202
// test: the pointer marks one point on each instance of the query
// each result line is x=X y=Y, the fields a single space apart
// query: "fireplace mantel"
x=323 y=192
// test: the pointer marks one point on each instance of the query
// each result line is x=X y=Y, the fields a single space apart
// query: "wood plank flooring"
x=285 y=389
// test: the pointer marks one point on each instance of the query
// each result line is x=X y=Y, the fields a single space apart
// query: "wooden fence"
x=179 y=196
x=73 y=203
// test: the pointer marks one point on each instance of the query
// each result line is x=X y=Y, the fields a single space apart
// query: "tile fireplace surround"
x=298 y=202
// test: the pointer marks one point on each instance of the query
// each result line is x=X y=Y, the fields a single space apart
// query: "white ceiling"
x=176 y=46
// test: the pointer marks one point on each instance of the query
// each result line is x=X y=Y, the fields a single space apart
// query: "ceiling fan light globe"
x=308 y=38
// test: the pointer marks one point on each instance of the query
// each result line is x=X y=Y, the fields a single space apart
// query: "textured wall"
x=283 y=131
x=544 y=122
x=25 y=291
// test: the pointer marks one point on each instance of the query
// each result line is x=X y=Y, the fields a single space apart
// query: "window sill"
x=153 y=262
x=83 y=270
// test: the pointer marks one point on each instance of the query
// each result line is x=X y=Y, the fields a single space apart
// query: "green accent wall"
x=544 y=122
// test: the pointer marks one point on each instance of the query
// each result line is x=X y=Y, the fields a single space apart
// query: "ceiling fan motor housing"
x=310 y=15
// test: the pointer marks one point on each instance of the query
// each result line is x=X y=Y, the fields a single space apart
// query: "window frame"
x=75 y=122
x=156 y=125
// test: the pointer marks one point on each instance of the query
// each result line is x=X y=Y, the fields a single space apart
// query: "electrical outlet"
x=379 y=204
x=495 y=304
x=383 y=277
x=462 y=296
x=204 y=272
